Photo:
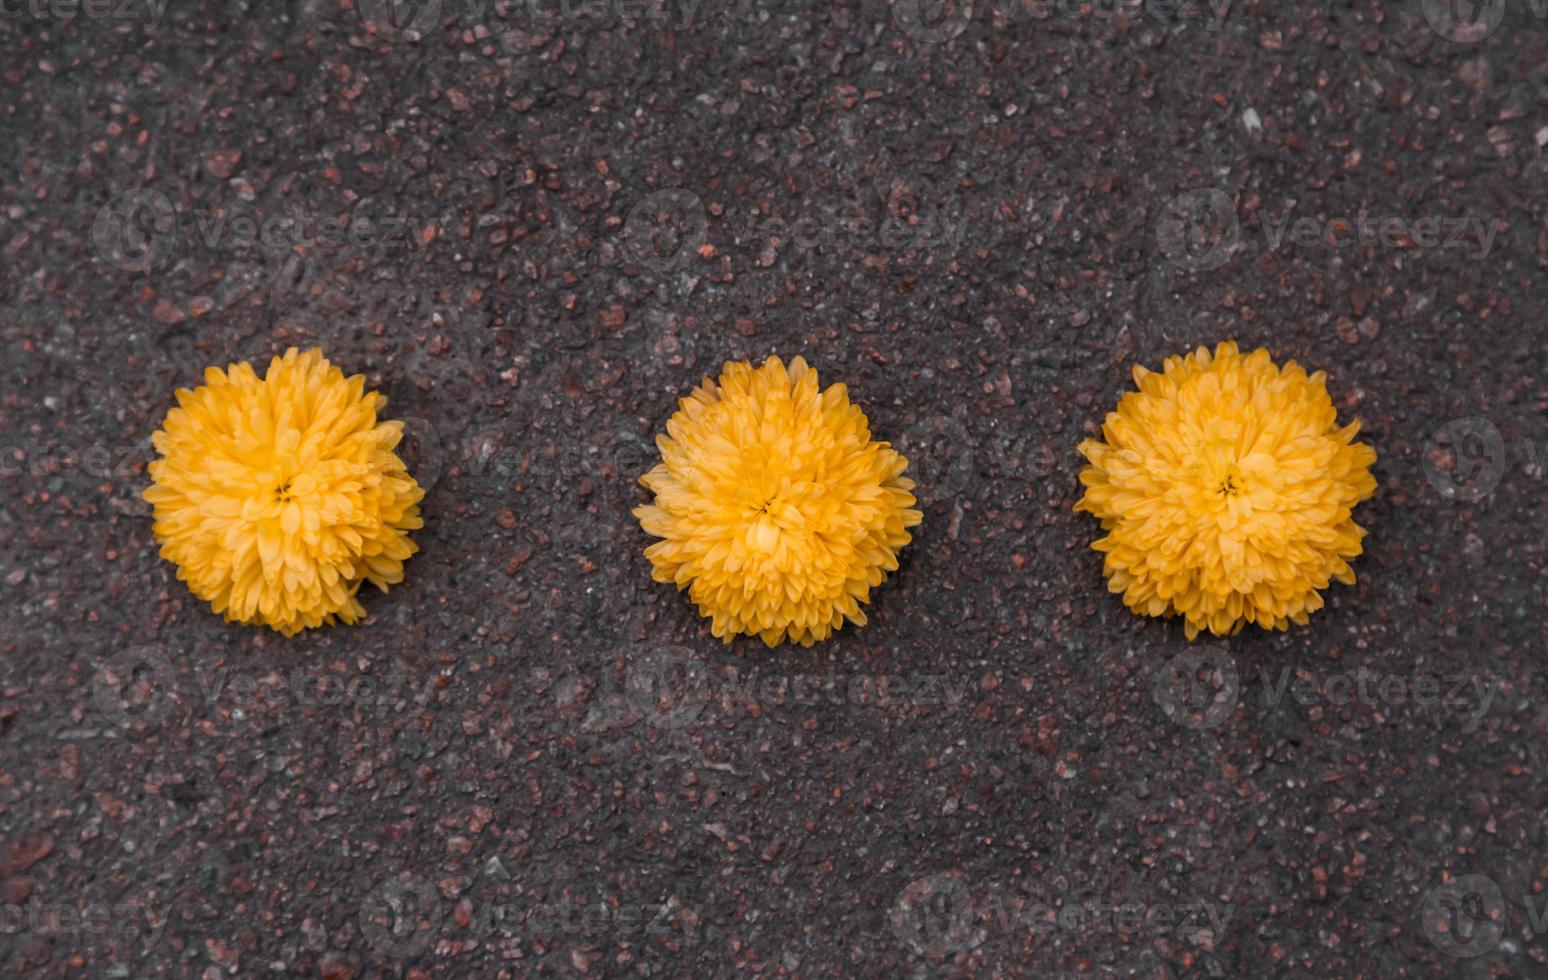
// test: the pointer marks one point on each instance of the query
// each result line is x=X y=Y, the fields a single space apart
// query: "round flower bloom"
x=1225 y=486
x=778 y=512
x=277 y=497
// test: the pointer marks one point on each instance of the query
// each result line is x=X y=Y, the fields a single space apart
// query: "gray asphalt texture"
x=533 y=226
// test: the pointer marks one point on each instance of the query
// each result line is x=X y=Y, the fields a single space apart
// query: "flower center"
x=763 y=535
x=282 y=492
x=1222 y=479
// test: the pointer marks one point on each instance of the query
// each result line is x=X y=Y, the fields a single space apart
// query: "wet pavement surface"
x=533 y=226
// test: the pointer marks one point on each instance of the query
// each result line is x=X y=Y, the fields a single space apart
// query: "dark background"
x=532 y=760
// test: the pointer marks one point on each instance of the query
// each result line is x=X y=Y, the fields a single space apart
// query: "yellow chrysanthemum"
x=779 y=513
x=1226 y=487
x=276 y=498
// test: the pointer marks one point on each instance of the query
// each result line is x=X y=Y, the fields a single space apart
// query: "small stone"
x=335 y=966
x=167 y=313
x=24 y=852
x=494 y=869
x=518 y=558
x=223 y=163
x=14 y=891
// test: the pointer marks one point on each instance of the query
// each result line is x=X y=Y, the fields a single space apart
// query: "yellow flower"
x=277 y=498
x=778 y=512
x=1225 y=487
